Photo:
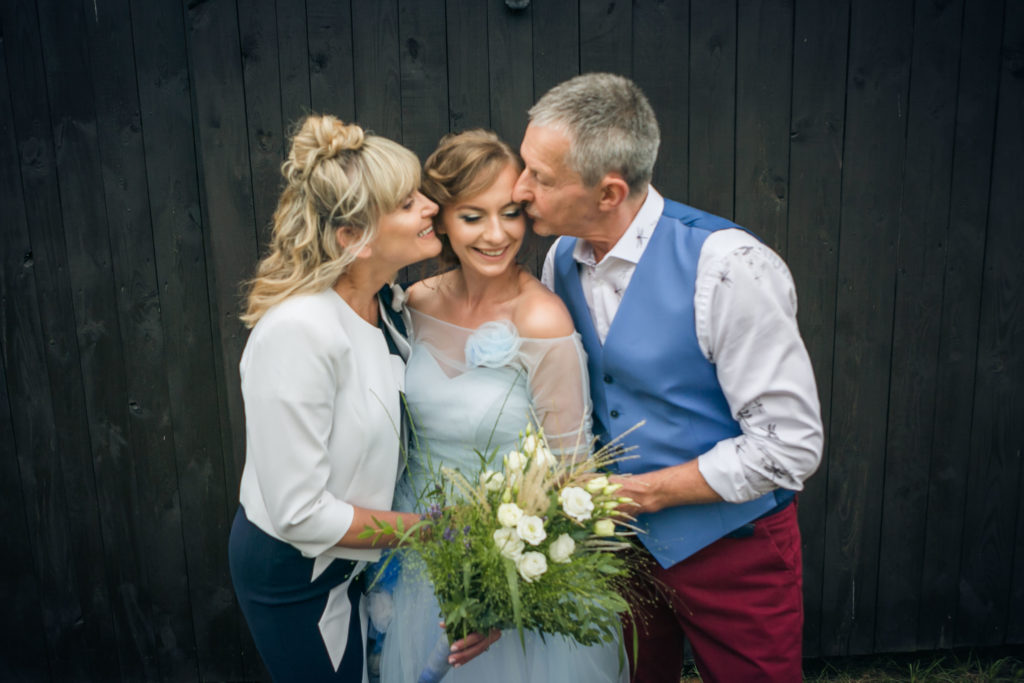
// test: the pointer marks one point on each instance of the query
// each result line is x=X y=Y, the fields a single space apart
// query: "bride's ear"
x=348 y=237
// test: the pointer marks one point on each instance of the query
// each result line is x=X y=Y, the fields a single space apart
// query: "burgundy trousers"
x=738 y=601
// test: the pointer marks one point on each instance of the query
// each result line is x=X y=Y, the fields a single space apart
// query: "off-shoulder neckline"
x=472 y=330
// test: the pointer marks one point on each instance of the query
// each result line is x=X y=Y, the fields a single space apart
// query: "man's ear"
x=613 y=191
x=347 y=236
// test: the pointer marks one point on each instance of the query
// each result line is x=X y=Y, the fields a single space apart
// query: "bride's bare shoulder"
x=539 y=313
x=425 y=295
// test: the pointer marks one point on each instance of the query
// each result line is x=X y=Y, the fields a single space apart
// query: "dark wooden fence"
x=876 y=144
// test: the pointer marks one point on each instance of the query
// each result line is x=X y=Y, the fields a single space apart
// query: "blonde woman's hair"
x=463 y=165
x=336 y=176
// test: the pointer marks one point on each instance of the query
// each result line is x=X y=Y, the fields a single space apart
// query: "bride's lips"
x=491 y=253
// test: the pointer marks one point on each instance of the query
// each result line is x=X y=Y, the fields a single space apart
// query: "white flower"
x=604 y=527
x=508 y=542
x=576 y=503
x=561 y=548
x=509 y=514
x=544 y=457
x=597 y=484
x=515 y=461
x=531 y=566
x=493 y=345
x=611 y=488
x=531 y=529
x=530 y=443
x=492 y=481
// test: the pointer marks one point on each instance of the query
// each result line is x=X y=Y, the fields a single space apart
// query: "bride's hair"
x=463 y=165
x=336 y=176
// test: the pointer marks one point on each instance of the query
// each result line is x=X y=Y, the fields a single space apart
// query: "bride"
x=491 y=347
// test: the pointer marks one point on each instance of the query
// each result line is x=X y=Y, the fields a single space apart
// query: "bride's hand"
x=471 y=646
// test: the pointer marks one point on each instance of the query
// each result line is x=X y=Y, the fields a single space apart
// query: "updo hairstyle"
x=463 y=165
x=336 y=176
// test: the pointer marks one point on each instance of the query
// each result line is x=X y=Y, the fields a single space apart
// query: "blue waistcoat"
x=651 y=368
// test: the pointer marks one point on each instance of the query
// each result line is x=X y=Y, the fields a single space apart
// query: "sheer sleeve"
x=557 y=376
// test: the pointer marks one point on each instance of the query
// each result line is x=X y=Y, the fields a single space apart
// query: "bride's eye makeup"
x=470 y=217
x=513 y=212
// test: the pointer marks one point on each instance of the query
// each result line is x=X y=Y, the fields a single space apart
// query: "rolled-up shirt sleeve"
x=290 y=376
x=745 y=309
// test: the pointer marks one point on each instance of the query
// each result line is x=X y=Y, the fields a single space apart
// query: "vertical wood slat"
x=606 y=37
x=712 y=105
x=764 y=67
x=661 y=67
x=377 y=74
x=555 y=59
x=293 y=57
x=330 y=31
x=958 y=331
x=216 y=73
x=27 y=439
x=160 y=544
x=261 y=77
x=815 y=160
x=993 y=538
x=421 y=32
x=920 y=261
x=68 y=81
x=76 y=603
x=468 y=83
x=872 y=166
x=173 y=186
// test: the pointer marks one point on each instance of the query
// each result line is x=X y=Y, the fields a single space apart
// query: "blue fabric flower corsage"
x=493 y=345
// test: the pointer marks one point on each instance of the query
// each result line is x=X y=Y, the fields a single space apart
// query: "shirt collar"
x=631 y=245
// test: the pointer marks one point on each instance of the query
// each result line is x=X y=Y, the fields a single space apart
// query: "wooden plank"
x=120 y=136
x=661 y=67
x=261 y=75
x=76 y=602
x=931 y=115
x=764 y=61
x=879 y=60
x=712 y=105
x=206 y=504
x=820 y=36
x=424 y=58
x=468 y=85
x=293 y=64
x=990 y=588
x=330 y=30
x=510 y=39
x=79 y=171
x=215 y=72
x=556 y=54
x=958 y=333
x=27 y=420
x=377 y=72
x=606 y=37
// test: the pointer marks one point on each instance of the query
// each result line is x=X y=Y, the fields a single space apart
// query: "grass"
x=949 y=666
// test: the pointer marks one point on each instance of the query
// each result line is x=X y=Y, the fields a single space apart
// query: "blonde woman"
x=321 y=391
x=491 y=347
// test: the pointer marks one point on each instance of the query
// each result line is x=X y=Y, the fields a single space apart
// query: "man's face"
x=555 y=196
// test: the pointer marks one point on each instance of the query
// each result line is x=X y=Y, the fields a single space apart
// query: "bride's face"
x=486 y=231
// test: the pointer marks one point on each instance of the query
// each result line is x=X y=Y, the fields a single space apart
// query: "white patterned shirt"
x=745 y=319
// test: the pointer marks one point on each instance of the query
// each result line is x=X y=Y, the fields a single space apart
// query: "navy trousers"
x=283 y=606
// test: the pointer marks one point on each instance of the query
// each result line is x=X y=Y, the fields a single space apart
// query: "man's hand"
x=667 y=487
x=471 y=646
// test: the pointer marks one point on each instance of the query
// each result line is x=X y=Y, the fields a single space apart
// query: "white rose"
x=508 y=542
x=545 y=458
x=531 y=566
x=531 y=529
x=576 y=503
x=597 y=484
x=492 y=481
x=604 y=527
x=530 y=444
x=515 y=461
x=562 y=548
x=509 y=514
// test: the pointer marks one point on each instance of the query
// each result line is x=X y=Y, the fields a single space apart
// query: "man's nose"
x=519 y=193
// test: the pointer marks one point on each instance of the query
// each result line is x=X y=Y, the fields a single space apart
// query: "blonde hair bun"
x=320 y=137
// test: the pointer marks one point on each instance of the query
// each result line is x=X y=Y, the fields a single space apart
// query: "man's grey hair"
x=610 y=125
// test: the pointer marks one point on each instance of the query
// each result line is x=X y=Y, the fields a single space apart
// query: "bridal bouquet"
x=527 y=542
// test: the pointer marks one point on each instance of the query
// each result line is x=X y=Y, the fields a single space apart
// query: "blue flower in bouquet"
x=493 y=345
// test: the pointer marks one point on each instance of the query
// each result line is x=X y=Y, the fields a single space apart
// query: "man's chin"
x=541 y=228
